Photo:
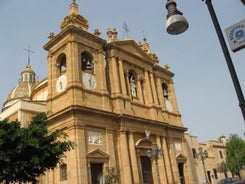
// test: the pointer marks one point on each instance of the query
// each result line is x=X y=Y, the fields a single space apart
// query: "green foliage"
x=26 y=153
x=222 y=167
x=111 y=175
x=235 y=154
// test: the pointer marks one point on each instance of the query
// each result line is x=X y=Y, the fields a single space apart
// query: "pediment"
x=180 y=158
x=143 y=144
x=95 y=154
x=131 y=48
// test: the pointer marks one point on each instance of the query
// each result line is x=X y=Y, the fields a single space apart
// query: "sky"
x=205 y=93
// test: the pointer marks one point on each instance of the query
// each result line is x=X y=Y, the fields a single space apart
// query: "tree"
x=26 y=153
x=222 y=168
x=111 y=175
x=235 y=154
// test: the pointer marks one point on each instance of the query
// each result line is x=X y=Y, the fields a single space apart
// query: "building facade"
x=114 y=101
x=212 y=168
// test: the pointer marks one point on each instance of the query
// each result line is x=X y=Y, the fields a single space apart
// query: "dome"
x=24 y=89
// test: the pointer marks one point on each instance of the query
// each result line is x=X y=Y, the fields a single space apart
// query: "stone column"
x=110 y=147
x=139 y=90
x=80 y=159
x=114 y=78
x=124 y=160
x=167 y=160
x=172 y=157
x=153 y=88
x=122 y=79
x=126 y=75
x=75 y=59
x=133 y=156
x=161 y=164
x=160 y=92
x=99 y=67
x=148 y=93
x=52 y=74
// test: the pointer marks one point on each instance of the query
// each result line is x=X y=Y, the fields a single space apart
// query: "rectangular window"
x=221 y=154
x=194 y=152
x=215 y=174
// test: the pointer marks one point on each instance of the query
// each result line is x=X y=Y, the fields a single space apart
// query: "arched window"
x=165 y=90
x=61 y=63
x=86 y=61
x=63 y=172
x=132 y=84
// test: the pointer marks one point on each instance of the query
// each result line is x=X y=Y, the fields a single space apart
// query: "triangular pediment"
x=97 y=154
x=131 y=48
x=180 y=158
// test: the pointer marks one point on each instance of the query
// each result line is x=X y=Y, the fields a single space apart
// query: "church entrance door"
x=181 y=172
x=96 y=171
x=146 y=170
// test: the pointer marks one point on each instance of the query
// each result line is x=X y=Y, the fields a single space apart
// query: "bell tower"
x=75 y=63
x=105 y=94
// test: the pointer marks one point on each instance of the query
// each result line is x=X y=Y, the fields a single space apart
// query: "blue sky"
x=205 y=92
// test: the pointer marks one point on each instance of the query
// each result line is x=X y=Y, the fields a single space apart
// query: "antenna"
x=126 y=29
x=29 y=51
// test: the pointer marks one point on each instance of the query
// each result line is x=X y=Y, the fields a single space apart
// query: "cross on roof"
x=29 y=51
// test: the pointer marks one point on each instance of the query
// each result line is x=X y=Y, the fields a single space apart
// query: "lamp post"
x=155 y=153
x=176 y=27
x=202 y=155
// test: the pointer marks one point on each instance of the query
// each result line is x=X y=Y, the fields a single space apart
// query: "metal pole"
x=227 y=57
x=158 y=176
x=155 y=155
x=205 y=173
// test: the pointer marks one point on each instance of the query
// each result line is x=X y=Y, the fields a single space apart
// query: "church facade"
x=115 y=102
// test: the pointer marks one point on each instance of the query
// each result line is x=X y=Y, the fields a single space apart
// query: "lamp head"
x=176 y=22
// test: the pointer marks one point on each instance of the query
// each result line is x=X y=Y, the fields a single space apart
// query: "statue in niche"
x=132 y=85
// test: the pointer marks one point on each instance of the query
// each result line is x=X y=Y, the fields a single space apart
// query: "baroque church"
x=115 y=102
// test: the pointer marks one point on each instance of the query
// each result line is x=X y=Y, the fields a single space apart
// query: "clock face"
x=61 y=83
x=89 y=81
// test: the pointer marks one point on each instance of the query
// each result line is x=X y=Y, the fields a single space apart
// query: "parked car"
x=228 y=180
x=239 y=182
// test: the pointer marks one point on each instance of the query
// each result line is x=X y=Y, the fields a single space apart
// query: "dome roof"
x=24 y=89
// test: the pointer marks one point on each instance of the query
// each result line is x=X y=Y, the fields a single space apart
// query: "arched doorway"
x=144 y=161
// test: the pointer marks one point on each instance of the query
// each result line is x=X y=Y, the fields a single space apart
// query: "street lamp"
x=155 y=153
x=174 y=30
x=176 y=22
x=202 y=155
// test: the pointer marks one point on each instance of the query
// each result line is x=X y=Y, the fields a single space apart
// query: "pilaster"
x=100 y=72
x=125 y=162
x=167 y=159
x=133 y=157
x=161 y=164
x=110 y=147
x=121 y=77
x=148 y=93
x=153 y=88
x=160 y=92
x=114 y=78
